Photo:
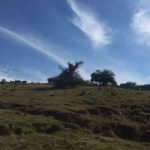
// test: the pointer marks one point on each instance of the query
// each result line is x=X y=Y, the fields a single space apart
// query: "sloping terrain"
x=37 y=116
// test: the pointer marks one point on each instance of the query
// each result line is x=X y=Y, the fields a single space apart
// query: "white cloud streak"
x=84 y=74
x=31 y=43
x=96 y=31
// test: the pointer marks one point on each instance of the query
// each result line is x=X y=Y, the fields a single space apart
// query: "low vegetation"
x=39 y=116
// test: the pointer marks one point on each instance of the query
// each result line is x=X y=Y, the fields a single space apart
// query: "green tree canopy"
x=69 y=76
x=105 y=77
x=3 y=81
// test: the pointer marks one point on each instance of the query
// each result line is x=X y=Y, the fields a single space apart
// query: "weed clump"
x=39 y=127
x=94 y=111
x=24 y=144
x=109 y=133
x=126 y=131
x=5 y=130
x=71 y=126
x=82 y=111
x=18 y=130
x=82 y=93
x=54 y=128
x=105 y=109
x=145 y=136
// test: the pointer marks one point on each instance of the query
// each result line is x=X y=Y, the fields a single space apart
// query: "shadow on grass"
x=44 y=89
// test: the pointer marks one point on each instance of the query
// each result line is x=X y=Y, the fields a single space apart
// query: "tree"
x=3 y=81
x=104 y=78
x=69 y=77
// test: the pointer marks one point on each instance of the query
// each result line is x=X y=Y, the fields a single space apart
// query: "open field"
x=37 y=116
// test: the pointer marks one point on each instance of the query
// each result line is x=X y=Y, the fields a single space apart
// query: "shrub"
x=54 y=128
x=18 y=130
x=69 y=77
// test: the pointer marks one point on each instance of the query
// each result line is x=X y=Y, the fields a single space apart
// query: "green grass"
x=37 y=116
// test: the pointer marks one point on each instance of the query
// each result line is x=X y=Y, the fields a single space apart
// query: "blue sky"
x=38 y=35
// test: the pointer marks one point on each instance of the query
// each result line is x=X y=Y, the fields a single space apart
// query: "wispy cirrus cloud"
x=98 y=32
x=141 y=22
x=84 y=74
x=31 y=42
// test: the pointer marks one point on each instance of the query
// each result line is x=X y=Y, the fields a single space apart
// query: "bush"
x=68 y=78
x=54 y=128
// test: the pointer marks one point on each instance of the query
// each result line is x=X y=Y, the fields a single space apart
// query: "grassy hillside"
x=37 y=116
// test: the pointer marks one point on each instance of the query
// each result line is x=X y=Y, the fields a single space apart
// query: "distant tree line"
x=134 y=86
x=69 y=77
x=3 y=81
